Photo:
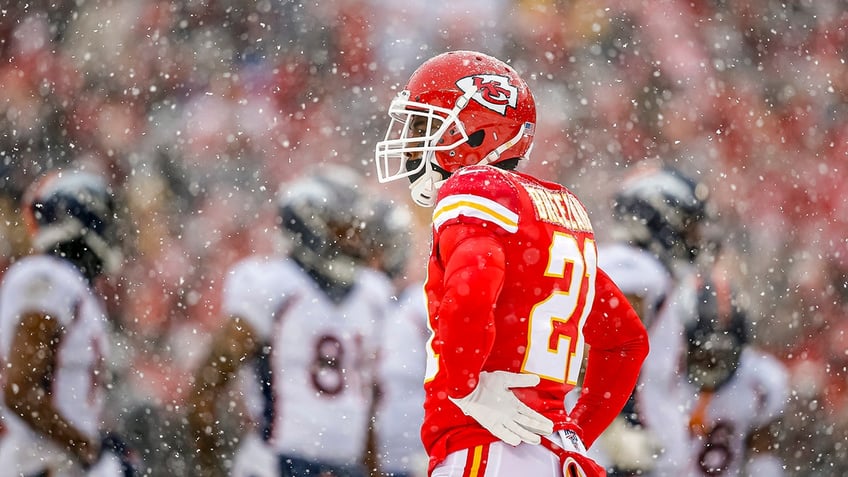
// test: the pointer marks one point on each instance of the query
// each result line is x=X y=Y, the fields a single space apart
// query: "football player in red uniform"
x=513 y=288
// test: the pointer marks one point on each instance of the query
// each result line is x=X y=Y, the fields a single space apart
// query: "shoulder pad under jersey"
x=256 y=289
x=769 y=377
x=377 y=284
x=478 y=194
x=44 y=284
x=635 y=271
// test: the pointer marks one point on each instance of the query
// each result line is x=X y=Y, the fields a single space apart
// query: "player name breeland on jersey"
x=559 y=207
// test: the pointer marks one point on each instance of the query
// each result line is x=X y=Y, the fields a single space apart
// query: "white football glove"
x=495 y=407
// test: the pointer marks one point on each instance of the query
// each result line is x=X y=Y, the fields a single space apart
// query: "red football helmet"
x=460 y=108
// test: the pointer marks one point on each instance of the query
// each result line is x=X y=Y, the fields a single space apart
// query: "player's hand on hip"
x=498 y=410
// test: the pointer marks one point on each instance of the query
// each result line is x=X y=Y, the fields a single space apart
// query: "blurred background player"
x=388 y=233
x=400 y=404
x=400 y=410
x=659 y=212
x=54 y=332
x=733 y=392
x=513 y=287
x=306 y=327
x=664 y=263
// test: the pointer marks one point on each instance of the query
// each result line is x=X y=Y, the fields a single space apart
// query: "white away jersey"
x=48 y=285
x=322 y=355
x=753 y=397
x=637 y=272
x=662 y=374
x=670 y=299
x=401 y=375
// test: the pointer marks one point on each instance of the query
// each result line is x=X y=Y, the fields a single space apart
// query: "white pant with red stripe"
x=501 y=459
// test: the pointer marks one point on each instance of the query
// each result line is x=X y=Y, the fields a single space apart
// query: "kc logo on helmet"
x=492 y=91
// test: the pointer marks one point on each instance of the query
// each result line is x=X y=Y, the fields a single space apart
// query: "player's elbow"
x=10 y=395
x=20 y=398
x=643 y=345
x=638 y=343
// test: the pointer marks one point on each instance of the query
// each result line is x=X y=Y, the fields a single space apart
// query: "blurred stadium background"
x=197 y=109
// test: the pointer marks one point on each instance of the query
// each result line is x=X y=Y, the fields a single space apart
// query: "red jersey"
x=513 y=285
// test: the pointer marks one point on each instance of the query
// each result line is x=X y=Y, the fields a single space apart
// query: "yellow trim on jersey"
x=474 y=206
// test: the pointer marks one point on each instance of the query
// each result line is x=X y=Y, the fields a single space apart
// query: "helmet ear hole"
x=475 y=139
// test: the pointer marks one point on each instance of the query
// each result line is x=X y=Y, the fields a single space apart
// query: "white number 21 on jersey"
x=548 y=351
x=548 y=348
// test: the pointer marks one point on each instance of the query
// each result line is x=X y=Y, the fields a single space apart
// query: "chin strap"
x=425 y=189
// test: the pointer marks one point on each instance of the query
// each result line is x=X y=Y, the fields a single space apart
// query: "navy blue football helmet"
x=388 y=235
x=716 y=336
x=72 y=215
x=322 y=216
x=660 y=210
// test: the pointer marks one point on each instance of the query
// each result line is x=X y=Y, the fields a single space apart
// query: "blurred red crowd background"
x=198 y=109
